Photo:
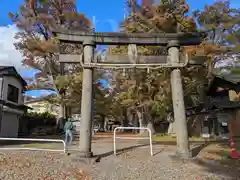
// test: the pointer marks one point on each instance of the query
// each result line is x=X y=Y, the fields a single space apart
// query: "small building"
x=12 y=86
x=222 y=98
x=40 y=105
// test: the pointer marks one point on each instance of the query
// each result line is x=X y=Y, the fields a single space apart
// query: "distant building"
x=12 y=106
x=41 y=106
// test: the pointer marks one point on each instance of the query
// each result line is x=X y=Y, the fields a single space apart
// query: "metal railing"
x=132 y=128
x=34 y=149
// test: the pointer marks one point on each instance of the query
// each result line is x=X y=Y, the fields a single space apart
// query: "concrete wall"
x=195 y=130
x=9 y=125
x=194 y=126
x=15 y=82
x=236 y=125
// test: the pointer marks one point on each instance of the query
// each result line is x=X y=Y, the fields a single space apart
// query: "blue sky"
x=105 y=15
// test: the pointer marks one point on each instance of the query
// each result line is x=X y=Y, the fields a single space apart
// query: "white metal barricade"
x=33 y=149
x=132 y=128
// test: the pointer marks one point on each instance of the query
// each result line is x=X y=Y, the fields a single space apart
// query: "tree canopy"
x=37 y=44
x=145 y=94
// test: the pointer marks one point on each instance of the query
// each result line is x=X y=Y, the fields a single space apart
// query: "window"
x=13 y=93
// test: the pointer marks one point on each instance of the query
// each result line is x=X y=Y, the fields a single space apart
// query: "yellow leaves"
x=160 y=20
x=117 y=50
x=204 y=49
x=228 y=25
x=41 y=47
x=212 y=156
x=69 y=82
x=78 y=17
x=54 y=40
x=128 y=84
x=127 y=102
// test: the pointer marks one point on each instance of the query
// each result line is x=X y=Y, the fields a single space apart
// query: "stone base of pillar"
x=184 y=155
x=84 y=154
x=177 y=156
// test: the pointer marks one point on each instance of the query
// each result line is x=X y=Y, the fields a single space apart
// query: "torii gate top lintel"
x=119 y=38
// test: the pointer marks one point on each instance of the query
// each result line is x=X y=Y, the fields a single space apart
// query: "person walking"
x=68 y=127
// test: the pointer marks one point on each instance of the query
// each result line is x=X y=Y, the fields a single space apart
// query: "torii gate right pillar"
x=180 y=122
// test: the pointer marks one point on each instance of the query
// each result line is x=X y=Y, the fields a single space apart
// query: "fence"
x=132 y=128
x=34 y=149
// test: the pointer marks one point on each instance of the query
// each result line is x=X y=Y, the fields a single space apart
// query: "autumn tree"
x=35 y=41
x=222 y=24
x=148 y=92
x=219 y=20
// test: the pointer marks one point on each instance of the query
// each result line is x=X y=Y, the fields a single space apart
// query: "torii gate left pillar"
x=87 y=102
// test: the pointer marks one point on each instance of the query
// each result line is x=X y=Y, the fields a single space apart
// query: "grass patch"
x=43 y=145
x=220 y=152
x=166 y=138
x=216 y=151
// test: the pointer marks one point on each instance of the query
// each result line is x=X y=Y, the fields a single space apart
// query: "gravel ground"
x=39 y=166
x=139 y=165
x=134 y=164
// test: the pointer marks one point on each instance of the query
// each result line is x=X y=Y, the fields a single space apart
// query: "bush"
x=32 y=120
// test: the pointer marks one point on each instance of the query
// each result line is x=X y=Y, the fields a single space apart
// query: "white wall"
x=15 y=82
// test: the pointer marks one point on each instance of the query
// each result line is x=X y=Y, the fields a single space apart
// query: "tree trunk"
x=125 y=120
x=149 y=120
x=171 y=125
x=151 y=127
x=106 y=125
x=135 y=120
x=130 y=118
x=61 y=116
x=171 y=129
x=141 y=120
x=102 y=122
x=61 y=111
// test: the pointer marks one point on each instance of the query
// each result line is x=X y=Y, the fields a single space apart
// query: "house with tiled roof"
x=12 y=87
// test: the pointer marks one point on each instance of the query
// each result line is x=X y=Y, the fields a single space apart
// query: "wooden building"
x=220 y=105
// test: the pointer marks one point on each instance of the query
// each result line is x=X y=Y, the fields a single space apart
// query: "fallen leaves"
x=212 y=156
x=39 y=165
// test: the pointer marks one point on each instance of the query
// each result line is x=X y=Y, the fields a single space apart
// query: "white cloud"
x=8 y=54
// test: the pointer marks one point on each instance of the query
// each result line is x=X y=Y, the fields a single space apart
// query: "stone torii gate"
x=89 y=40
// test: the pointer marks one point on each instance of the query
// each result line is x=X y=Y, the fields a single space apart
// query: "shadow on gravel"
x=199 y=147
x=98 y=157
x=215 y=159
x=229 y=168
x=120 y=151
